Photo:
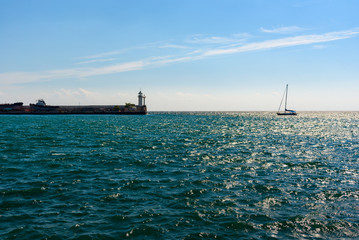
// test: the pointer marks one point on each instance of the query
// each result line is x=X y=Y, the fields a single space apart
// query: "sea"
x=180 y=175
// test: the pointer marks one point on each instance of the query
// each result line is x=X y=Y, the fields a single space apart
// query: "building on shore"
x=42 y=108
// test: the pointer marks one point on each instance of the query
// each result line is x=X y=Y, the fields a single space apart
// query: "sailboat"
x=286 y=111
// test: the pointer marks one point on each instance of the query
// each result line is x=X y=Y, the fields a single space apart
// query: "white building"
x=141 y=99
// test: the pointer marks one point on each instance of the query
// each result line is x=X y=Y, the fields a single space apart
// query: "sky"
x=184 y=55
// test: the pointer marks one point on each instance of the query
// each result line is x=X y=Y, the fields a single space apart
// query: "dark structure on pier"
x=41 y=108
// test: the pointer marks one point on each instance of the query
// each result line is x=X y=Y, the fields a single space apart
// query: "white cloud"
x=87 y=93
x=173 y=46
x=106 y=54
x=201 y=39
x=117 y=68
x=97 y=60
x=210 y=40
x=283 y=30
x=286 y=42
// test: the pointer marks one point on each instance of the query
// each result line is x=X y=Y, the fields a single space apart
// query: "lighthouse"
x=141 y=97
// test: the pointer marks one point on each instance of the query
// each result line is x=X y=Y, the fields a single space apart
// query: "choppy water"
x=180 y=176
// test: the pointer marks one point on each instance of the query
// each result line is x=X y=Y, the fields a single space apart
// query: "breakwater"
x=89 y=109
x=42 y=108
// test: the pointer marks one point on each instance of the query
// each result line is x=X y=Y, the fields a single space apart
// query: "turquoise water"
x=180 y=176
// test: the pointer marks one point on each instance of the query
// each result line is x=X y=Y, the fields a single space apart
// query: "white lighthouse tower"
x=141 y=97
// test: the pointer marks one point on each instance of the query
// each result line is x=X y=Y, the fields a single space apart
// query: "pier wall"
x=90 y=109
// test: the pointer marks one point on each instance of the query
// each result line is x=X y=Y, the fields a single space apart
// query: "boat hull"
x=286 y=114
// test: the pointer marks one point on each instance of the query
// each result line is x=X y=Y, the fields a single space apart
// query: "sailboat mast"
x=286 y=112
x=286 y=94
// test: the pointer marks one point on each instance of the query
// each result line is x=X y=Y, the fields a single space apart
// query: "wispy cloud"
x=117 y=68
x=205 y=50
x=201 y=39
x=210 y=40
x=286 y=42
x=283 y=30
x=173 y=46
x=104 y=57
x=97 y=60
x=105 y=54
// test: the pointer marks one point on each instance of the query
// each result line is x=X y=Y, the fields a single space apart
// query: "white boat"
x=286 y=111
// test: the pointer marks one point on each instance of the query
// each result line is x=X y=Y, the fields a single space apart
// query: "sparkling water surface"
x=180 y=176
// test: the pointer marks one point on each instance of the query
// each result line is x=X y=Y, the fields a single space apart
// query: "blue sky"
x=204 y=55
